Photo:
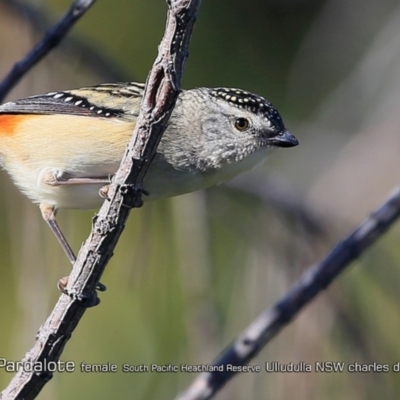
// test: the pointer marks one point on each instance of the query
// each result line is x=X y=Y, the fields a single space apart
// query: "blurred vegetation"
x=189 y=273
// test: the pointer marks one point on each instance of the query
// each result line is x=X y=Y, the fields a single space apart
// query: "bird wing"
x=106 y=100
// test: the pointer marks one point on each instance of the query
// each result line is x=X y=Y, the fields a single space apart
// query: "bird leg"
x=61 y=178
x=49 y=215
x=56 y=178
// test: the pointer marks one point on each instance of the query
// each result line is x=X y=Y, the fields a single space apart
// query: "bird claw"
x=87 y=301
x=62 y=285
x=103 y=192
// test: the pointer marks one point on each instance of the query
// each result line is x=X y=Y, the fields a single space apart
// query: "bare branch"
x=52 y=38
x=162 y=89
x=317 y=278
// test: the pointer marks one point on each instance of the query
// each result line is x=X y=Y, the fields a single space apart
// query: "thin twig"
x=270 y=322
x=51 y=39
x=162 y=89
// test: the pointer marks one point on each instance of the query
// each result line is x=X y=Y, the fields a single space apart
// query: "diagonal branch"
x=162 y=89
x=268 y=324
x=51 y=39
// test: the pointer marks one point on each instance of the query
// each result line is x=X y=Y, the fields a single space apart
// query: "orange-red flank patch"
x=9 y=122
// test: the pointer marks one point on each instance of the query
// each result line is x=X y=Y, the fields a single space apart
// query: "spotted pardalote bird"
x=61 y=148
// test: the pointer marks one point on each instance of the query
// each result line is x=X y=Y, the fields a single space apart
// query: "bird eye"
x=242 y=124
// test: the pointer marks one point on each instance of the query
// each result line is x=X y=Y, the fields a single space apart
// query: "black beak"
x=284 y=139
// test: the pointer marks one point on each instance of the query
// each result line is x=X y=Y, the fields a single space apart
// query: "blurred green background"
x=190 y=273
